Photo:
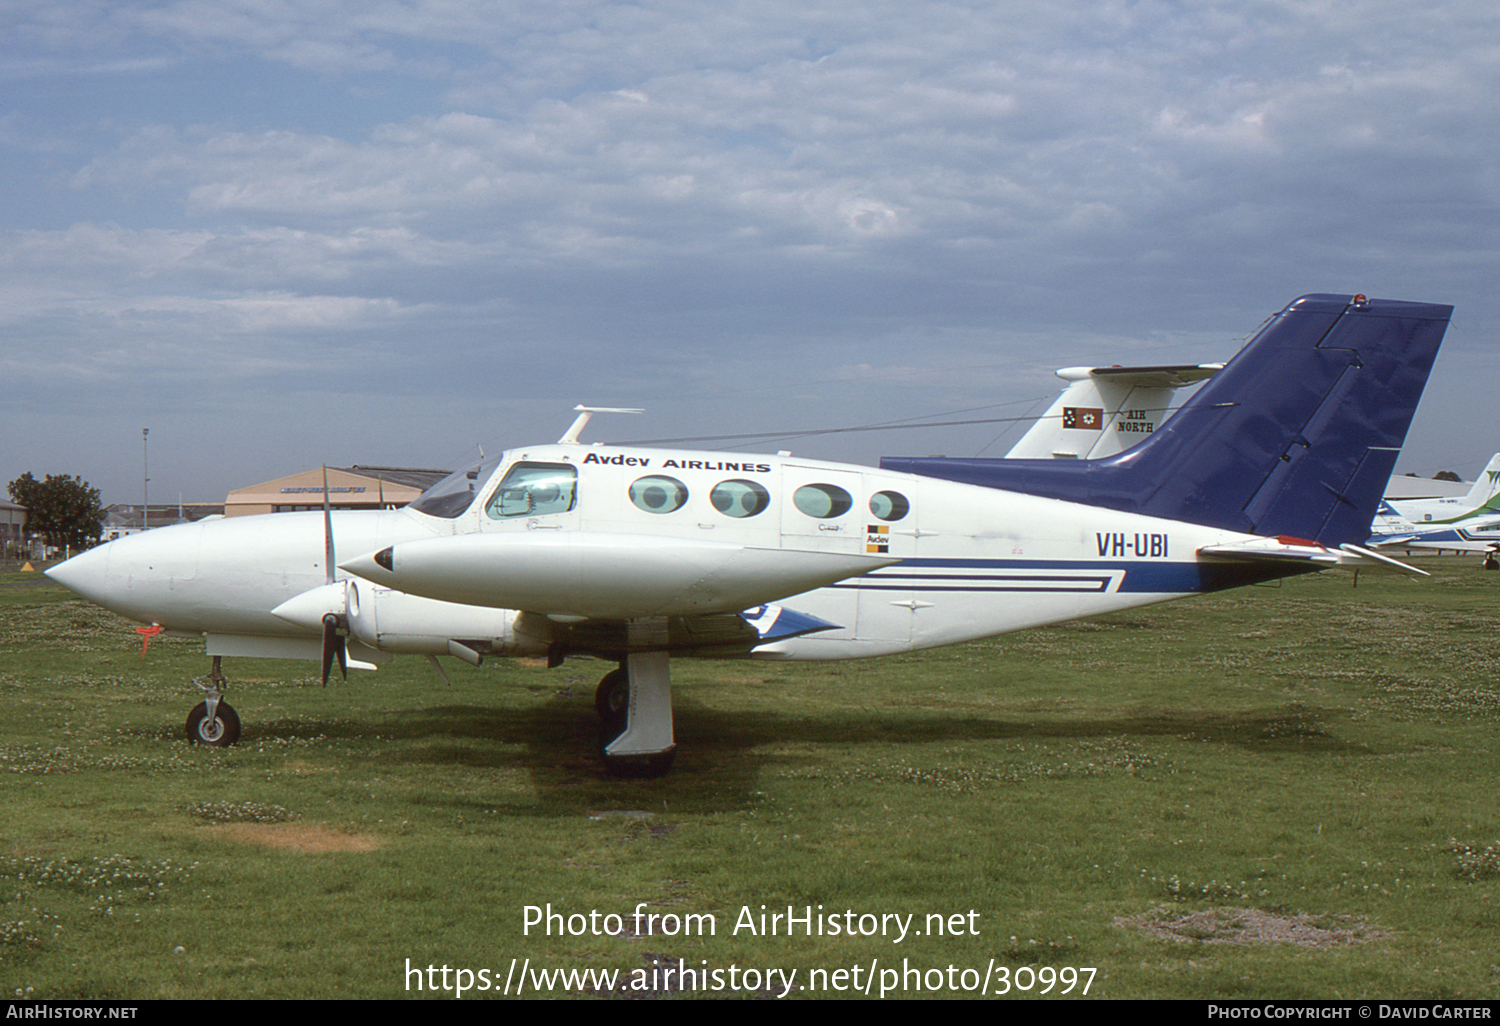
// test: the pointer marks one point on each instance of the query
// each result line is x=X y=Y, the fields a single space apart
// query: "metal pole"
x=145 y=479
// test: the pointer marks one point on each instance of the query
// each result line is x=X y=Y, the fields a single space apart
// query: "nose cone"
x=86 y=574
x=141 y=576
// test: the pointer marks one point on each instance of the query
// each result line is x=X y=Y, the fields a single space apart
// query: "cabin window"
x=739 y=498
x=889 y=505
x=659 y=494
x=823 y=501
x=534 y=489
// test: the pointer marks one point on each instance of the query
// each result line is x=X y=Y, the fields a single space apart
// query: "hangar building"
x=356 y=487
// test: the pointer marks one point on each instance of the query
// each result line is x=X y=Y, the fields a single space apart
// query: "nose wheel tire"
x=221 y=731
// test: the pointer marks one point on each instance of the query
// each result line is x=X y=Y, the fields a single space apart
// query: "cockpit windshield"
x=455 y=493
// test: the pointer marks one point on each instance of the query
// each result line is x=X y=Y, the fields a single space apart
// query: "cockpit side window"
x=534 y=489
x=455 y=493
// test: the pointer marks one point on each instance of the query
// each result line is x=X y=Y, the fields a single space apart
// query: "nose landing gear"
x=212 y=721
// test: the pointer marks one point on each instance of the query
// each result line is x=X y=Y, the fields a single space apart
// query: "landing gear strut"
x=635 y=713
x=212 y=721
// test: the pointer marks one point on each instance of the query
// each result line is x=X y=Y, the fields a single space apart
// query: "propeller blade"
x=327 y=542
x=334 y=645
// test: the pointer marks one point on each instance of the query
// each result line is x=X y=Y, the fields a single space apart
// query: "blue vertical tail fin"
x=1297 y=435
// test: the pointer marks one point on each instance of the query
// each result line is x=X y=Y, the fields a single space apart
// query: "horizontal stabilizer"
x=1363 y=553
x=1173 y=376
x=1293 y=550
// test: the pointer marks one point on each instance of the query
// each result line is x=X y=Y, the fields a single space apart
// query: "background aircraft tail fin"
x=1297 y=435
x=1486 y=486
x=1106 y=409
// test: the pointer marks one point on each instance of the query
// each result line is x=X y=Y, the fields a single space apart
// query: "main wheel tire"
x=1490 y=563
x=612 y=703
x=612 y=698
x=221 y=732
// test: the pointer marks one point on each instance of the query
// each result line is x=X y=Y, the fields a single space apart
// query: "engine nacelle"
x=394 y=621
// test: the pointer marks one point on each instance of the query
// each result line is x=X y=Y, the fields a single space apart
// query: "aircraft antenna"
x=570 y=436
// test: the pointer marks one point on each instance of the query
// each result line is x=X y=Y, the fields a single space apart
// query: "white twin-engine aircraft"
x=633 y=555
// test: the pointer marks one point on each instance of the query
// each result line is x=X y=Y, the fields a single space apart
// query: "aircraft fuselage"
x=558 y=535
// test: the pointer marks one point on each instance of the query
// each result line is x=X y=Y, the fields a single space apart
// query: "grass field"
x=1277 y=792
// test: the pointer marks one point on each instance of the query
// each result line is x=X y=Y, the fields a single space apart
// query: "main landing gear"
x=635 y=717
x=634 y=704
x=212 y=721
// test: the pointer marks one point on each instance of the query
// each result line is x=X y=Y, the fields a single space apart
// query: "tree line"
x=64 y=510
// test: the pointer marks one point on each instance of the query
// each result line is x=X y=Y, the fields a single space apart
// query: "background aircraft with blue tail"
x=637 y=556
x=1468 y=523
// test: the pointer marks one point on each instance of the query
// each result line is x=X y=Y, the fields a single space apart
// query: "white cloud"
x=656 y=196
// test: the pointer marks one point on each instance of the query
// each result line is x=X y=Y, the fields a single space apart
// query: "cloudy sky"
x=282 y=234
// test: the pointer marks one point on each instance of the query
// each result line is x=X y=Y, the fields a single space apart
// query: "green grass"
x=1123 y=794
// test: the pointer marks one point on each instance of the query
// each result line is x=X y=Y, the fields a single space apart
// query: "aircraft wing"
x=1449 y=546
x=1475 y=536
x=723 y=633
x=1446 y=541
